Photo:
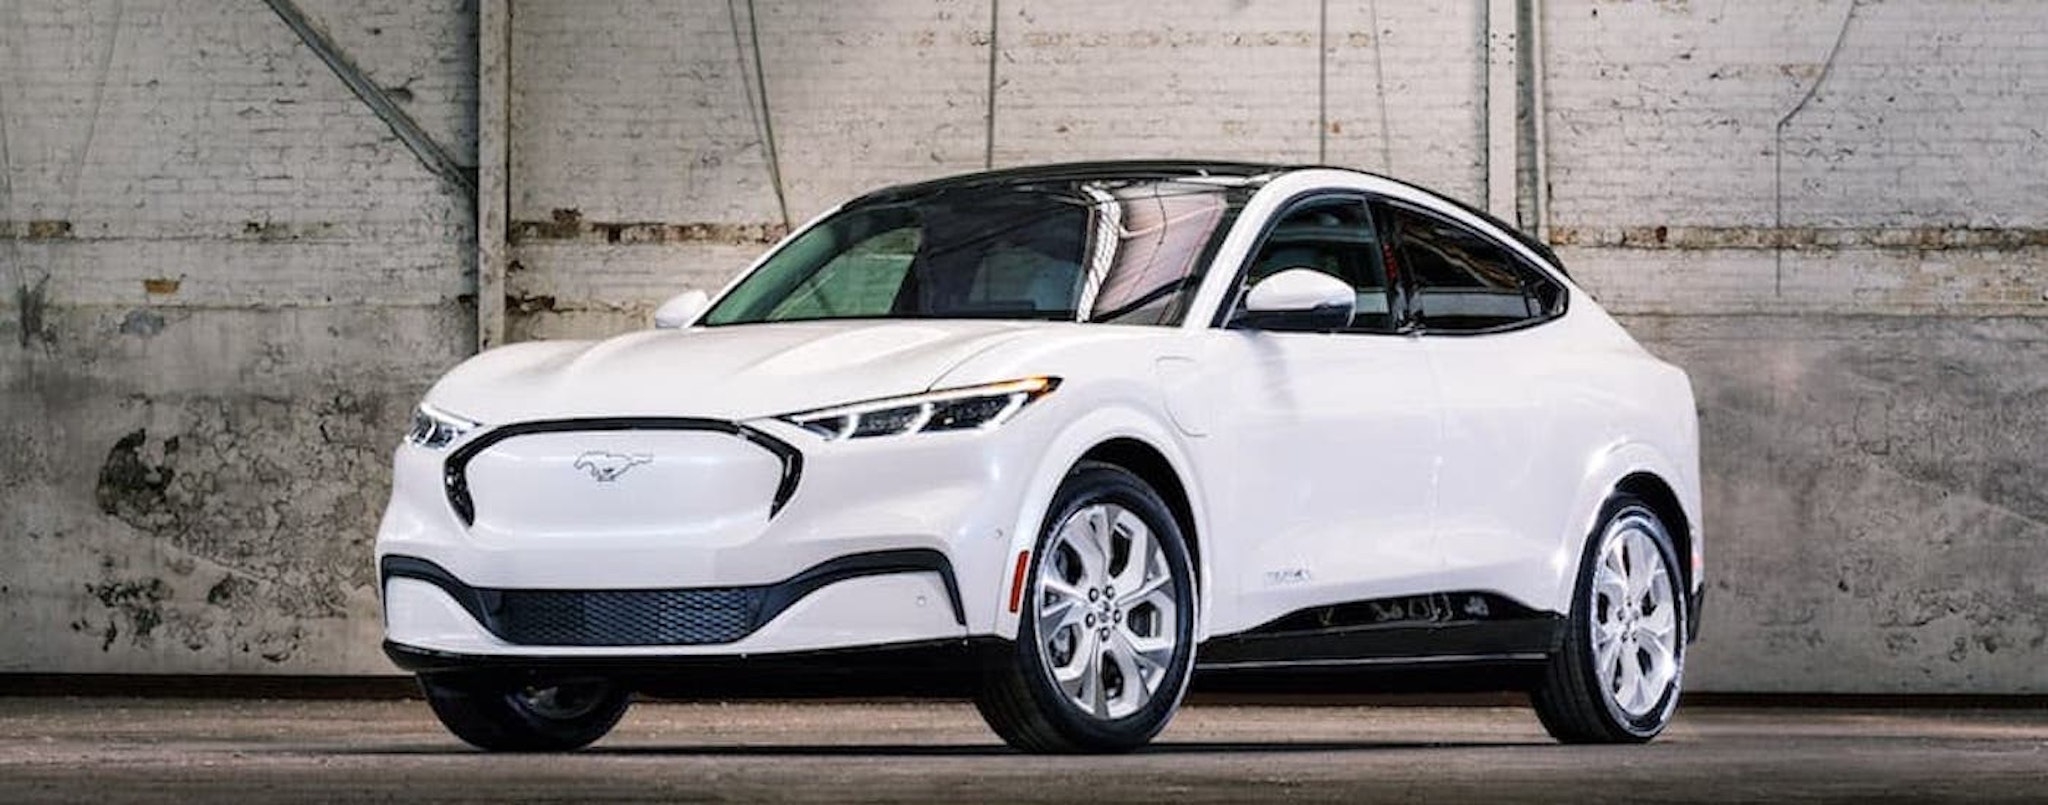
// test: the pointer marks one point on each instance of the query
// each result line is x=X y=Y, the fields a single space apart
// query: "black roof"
x=1080 y=171
x=1171 y=169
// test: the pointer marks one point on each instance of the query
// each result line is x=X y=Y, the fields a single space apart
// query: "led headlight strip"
x=970 y=408
x=434 y=428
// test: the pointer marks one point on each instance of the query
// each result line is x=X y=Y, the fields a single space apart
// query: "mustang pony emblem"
x=605 y=467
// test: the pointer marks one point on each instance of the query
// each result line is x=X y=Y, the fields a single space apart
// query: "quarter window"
x=1465 y=282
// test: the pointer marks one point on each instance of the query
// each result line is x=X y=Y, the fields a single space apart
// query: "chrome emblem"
x=605 y=467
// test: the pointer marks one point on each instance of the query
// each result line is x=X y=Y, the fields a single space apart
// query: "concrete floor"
x=119 y=750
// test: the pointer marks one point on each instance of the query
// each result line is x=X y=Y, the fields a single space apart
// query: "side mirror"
x=1298 y=299
x=680 y=310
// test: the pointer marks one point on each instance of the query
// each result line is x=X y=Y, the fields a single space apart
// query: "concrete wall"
x=249 y=278
x=225 y=285
x=1863 y=319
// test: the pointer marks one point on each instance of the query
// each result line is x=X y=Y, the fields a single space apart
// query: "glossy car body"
x=1399 y=491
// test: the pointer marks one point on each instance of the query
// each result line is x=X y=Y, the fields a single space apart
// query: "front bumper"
x=554 y=618
x=879 y=541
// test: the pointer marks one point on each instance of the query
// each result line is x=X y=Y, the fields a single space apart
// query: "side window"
x=862 y=281
x=1464 y=282
x=1337 y=238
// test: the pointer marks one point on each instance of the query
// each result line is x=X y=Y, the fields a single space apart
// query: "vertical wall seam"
x=1323 y=83
x=494 y=167
x=7 y=217
x=1379 y=85
x=1501 y=104
x=1533 y=164
x=1827 y=67
x=1539 y=113
x=988 y=151
x=10 y=245
x=739 y=55
x=767 y=115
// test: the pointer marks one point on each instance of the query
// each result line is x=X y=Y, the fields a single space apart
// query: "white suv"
x=1058 y=438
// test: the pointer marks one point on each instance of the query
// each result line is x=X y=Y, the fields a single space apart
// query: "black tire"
x=1572 y=702
x=1018 y=696
x=509 y=714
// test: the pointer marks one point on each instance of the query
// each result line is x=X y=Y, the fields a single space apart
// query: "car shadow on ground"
x=932 y=750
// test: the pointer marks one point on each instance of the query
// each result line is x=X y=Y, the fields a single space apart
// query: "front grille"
x=626 y=617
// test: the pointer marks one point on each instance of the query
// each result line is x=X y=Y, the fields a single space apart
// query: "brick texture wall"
x=1858 y=292
x=228 y=281
x=225 y=285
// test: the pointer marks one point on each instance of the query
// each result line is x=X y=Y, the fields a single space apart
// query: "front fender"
x=1102 y=423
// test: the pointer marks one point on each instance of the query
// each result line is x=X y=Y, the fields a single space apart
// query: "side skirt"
x=1439 y=642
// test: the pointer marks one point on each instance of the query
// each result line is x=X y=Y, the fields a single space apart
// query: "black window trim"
x=1396 y=303
x=1413 y=316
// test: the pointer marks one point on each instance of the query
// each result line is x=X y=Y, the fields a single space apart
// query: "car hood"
x=734 y=372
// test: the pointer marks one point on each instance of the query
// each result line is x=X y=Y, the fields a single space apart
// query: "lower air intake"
x=627 y=617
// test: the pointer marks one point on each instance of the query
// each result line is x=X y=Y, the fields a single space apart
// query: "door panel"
x=1324 y=446
x=1504 y=473
x=1506 y=467
x=1321 y=465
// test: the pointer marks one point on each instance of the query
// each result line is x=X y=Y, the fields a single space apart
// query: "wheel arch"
x=1140 y=458
x=1126 y=436
x=1663 y=501
x=1642 y=470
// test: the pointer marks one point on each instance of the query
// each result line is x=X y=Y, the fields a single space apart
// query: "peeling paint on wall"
x=224 y=329
x=569 y=225
x=31 y=302
x=142 y=322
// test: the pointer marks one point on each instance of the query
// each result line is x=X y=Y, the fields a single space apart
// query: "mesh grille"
x=626 y=617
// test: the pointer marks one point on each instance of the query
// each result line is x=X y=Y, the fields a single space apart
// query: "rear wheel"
x=1106 y=638
x=503 y=714
x=1616 y=678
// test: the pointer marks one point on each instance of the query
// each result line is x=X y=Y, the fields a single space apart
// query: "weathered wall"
x=621 y=200
x=245 y=268
x=226 y=283
x=1867 y=396
x=1864 y=319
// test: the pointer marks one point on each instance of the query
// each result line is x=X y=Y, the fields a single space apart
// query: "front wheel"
x=1106 y=638
x=509 y=715
x=1616 y=677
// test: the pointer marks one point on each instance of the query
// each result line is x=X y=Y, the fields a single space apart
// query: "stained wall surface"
x=229 y=279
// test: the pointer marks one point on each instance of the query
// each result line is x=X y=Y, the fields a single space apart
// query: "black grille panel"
x=626 y=617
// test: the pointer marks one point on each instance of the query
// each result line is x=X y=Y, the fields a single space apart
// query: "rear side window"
x=1466 y=282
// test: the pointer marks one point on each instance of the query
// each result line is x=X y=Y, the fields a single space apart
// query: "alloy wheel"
x=1107 y=614
x=1634 y=618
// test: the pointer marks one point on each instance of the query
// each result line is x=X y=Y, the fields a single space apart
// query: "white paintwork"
x=682 y=309
x=1297 y=290
x=1325 y=466
x=1320 y=468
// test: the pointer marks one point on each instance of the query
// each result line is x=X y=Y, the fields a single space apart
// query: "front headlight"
x=952 y=409
x=434 y=428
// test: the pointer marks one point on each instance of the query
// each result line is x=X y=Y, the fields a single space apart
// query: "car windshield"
x=1122 y=251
